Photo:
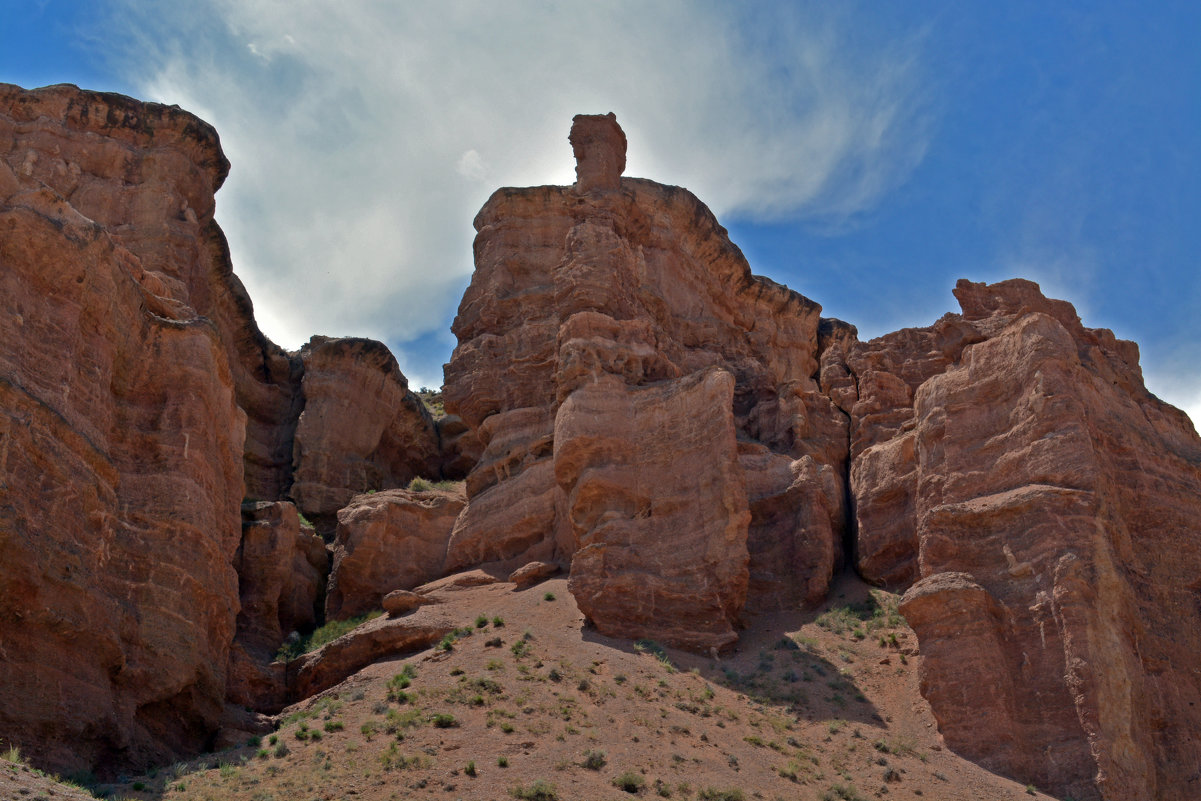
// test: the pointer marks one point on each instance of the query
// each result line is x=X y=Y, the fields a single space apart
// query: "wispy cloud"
x=364 y=136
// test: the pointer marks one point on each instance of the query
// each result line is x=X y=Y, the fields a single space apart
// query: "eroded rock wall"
x=615 y=284
x=390 y=540
x=1011 y=460
x=141 y=404
x=361 y=428
x=121 y=455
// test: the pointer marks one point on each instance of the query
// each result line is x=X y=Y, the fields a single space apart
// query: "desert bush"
x=629 y=781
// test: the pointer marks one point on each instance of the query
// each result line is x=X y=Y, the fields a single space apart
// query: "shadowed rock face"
x=361 y=428
x=601 y=295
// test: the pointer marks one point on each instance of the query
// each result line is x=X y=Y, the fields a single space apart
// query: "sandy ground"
x=821 y=704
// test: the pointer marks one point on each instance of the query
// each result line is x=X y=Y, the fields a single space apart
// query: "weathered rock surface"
x=399 y=602
x=530 y=574
x=367 y=643
x=1045 y=487
x=390 y=540
x=120 y=438
x=660 y=551
x=620 y=284
x=281 y=577
x=140 y=405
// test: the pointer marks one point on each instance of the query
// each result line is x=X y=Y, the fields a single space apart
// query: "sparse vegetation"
x=319 y=637
x=629 y=781
x=538 y=791
x=420 y=484
x=713 y=794
x=593 y=760
x=432 y=399
x=842 y=792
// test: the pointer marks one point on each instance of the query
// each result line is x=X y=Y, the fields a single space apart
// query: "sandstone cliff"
x=693 y=443
x=1049 y=505
x=121 y=462
x=607 y=301
x=140 y=405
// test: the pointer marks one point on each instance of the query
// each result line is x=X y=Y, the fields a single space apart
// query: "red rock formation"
x=281 y=576
x=627 y=279
x=660 y=550
x=1039 y=487
x=141 y=403
x=361 y=428
x=390 y=540
x=121 y=462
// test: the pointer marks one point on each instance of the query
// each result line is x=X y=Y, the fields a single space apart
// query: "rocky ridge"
x=694 y=445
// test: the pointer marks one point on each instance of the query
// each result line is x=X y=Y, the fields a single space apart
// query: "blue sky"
x=867 y=155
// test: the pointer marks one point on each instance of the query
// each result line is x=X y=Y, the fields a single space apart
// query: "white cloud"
x=471 y=165
x=364 y=136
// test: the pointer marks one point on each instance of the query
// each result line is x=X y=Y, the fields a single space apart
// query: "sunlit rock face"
x=361 y=428
x=390 y=540
x=626 y=298
x=141 y=406
x=1010 y=459
x=121 y=473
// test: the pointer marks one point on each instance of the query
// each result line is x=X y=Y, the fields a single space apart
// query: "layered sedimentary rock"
x=140 y=405
x=660 y=551
x=361 y=428
x=121 y=454
x=390 y=540
x=616 y=284
x=1035 y=488
x=281 y=567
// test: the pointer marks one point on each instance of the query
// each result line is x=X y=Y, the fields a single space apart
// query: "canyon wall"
x=121 y=462
x=1011 y=460
x=693 y=443
x=139 y=405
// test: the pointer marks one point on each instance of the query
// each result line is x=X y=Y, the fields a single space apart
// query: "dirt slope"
x=814 y=705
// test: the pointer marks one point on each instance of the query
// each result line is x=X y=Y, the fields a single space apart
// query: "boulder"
x=398 y=602
x=532 y=573
x=660 y=552
x=395 y=539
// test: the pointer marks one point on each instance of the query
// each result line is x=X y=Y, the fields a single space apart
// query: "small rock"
x=398 y=602
x=532 y=573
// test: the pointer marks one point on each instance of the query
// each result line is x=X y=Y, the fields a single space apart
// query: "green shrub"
x=842 y=792
x=594 y=760
x=319 y=637
x=444 y=721
x=713 y=794
x=538 y=791
x=629 y=781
